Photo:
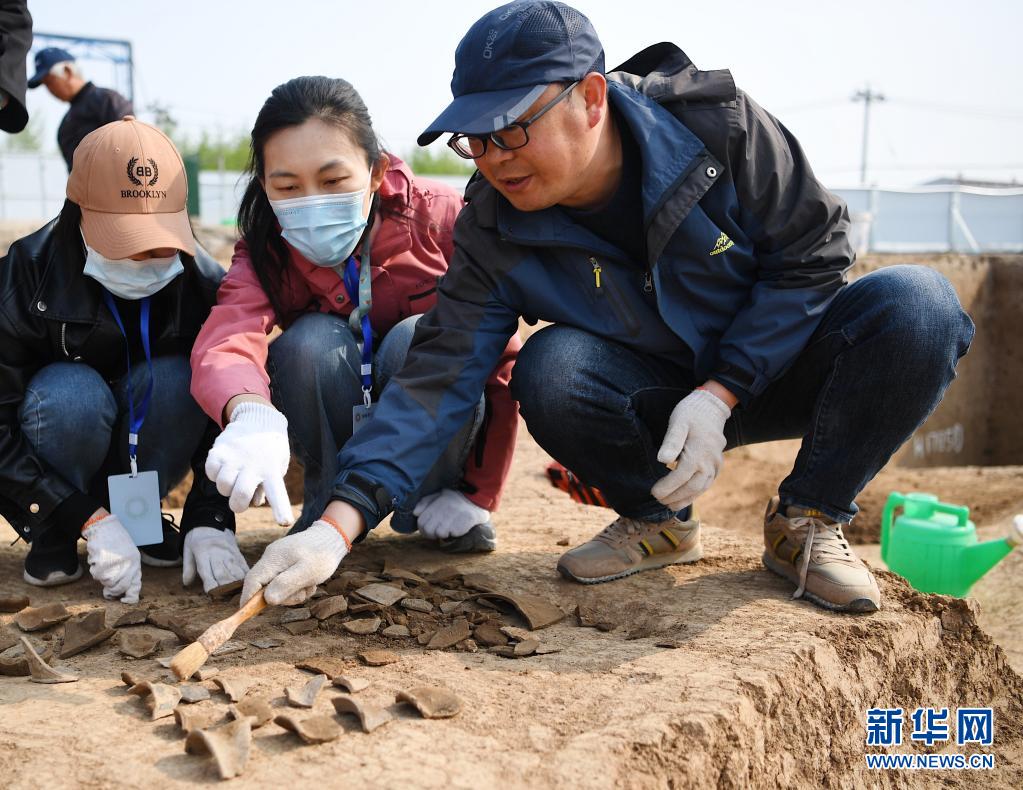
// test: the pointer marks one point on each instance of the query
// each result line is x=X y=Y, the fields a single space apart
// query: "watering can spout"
x=979 y=558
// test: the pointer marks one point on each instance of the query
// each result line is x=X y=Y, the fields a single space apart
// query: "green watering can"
x=934 y=545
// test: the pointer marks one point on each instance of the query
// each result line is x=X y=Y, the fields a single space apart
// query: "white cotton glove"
x=250 y=458
x=214 y=555
x=114 y=560
x=291 y=567
x=696 y=437
x=448 y=514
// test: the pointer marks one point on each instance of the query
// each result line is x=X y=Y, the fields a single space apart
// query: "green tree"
x=233 y=150
x=426 y=162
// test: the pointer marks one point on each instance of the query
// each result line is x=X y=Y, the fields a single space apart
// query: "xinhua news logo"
x=930 y=727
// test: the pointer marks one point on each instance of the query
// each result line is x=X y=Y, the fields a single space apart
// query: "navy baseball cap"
x=508 y=58
x=46 y=59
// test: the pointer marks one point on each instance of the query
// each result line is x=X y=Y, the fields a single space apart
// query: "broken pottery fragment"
x=189 y=719
x=480 y=581
x=328 y=607
x=546 y=650
x=368 y=625
x=432 y=702
x=322 y=665
x=518 y=634
x=234 y=687
x=391 y=571
x=489 y=635
x=537 y=612
x=448 y=573
x=193 y=692
x=231 y=646
x=506 y=651
x=205 y=673
x=451 y=635
x=669 y=644
x=301 y=627
x=131 y=678
x=351 y=684
x=13 y=603
x=305 y=696
x=312 y=729
x=7 y=640
x=41 y=671
x=84 y=631
x=256 y=709
x=359 y=608
x=132 y=617
x=417 y=605
x=229 y=745
x=225 y=591
x=266 y=644
x=395 y=631
x=454 y=595
x=526 y=648
x=378 y=658
x=425 y=637
x=160 y=698
x=450 y=607
x=295 y=615
x=39 y=617
x=137 y=644
x=370 y=717
x=14 y=660
x=384 y=594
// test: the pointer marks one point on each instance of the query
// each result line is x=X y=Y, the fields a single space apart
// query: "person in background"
x=91 y=106
x=15 y=42
x=100 y=310
x=342 y=247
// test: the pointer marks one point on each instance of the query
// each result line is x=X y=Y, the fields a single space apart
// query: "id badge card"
x=361 y=415
x=136 y=503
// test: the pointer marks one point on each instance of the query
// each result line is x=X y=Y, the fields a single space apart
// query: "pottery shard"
x=351 y=684
x=384 y=594
x=256 y=709
x=450 y=607
x=205 y=673
x=130 y=678
x=266 y=644
x=448 y=573
x=489 y=635
x=235 y=687
x=312 y=729
x=14 y=661
x=425 y=637
x=537 y=612
x=232 y=646
x=193 y=692
x=160 y=698
x=396 y=631
x=378 y=658
x=359 y=608
x=225 y=591
x=322 y=665
x=189 y=719
x=137 y=645
x=132 y=617
x=305 y=696
x=518 y=634
x=39 y=617
x=85 y=631
x=368 y=625
x=480 y=581
x=228 y=744
x=13 y=603
x=396 y=572
x=526 y=648
x=301 y=627
x=432 y=702
x=369 y=716
x=41 y=671
x=450 y=636
x=7 y=640
x=417 y=605
x=328 y=607
x=295 y=615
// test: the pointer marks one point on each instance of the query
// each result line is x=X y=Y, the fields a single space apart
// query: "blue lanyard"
x=358 y=283
x=135 y=421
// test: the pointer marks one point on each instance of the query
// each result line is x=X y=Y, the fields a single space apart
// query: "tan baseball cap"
x=129 y=180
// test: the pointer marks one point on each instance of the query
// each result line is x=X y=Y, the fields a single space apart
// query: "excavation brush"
x=186 y=662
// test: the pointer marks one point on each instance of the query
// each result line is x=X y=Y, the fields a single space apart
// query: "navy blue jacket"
x=745 y=251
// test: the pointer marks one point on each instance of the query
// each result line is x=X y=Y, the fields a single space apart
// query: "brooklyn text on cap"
x=508 y=58
x=46 y=59
x=129 y=180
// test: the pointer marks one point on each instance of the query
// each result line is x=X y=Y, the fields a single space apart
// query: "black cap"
x=46 y=59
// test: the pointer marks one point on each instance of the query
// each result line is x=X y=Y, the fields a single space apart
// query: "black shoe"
x=52 y=559
x=168 y=553
x=480 y=538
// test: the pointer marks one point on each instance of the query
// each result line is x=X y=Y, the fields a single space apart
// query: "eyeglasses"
x=473 y=146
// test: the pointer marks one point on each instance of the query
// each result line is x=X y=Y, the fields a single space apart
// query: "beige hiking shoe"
x=811 y=552
x=628 y=546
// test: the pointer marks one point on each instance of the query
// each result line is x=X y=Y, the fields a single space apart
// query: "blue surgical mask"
x=131 y=279
x=324 y=228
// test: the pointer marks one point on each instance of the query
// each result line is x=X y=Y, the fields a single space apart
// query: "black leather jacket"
x=51 y=312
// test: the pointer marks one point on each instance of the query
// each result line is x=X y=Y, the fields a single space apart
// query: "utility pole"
x=866 y=96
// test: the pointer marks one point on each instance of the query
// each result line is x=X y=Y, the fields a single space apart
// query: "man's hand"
x=250 y=458
x=114 y=560
x=696 y=438
x=214 y=555
x=448 y=514
x=291 y=567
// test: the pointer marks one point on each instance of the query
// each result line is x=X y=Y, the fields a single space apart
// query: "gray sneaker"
x=810 y=551
x=628 y=546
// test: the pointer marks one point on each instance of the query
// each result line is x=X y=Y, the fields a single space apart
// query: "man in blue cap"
x=693 y=271
x=91 y=106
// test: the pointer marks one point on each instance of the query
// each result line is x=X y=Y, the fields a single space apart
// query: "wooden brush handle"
x=218 y=633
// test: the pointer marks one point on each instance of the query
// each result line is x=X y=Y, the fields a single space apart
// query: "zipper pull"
x=596 y=271
x=648 y=283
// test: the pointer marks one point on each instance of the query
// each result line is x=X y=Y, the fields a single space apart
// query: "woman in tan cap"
x=100 y=309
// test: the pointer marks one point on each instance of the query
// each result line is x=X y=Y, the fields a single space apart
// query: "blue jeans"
x=315 y=380
x=877 y=366
x=78 y=423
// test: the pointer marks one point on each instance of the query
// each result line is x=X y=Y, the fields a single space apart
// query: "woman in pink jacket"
x=342 y=248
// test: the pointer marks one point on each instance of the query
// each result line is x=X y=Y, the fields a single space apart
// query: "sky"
x=950 y=72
